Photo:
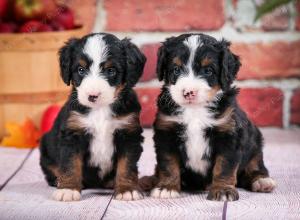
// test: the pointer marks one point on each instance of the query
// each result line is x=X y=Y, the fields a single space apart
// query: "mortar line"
x=283 y=84
x=286 y=111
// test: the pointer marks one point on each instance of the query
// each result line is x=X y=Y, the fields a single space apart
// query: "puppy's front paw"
x=266 y=184
x=66 y=195
x=129 y=195
x=163 y=193
x=223 y=194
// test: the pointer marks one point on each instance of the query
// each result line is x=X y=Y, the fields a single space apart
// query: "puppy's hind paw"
x=66 y=195
x=266 y=184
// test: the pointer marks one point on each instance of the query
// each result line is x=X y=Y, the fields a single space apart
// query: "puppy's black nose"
x=92 y=98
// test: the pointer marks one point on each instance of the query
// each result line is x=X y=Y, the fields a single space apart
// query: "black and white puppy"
x=203 y=140
x=96 y=139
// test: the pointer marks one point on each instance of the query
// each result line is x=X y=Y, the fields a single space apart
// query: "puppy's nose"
x=93 y=97
x=190 y=94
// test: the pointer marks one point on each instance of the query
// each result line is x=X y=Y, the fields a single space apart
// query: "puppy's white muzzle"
x=190 y=90
x=94 y=91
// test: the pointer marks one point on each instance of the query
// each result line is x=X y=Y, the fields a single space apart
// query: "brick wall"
x=269 y=49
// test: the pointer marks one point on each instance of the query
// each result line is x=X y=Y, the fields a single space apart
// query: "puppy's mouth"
x=194 y=103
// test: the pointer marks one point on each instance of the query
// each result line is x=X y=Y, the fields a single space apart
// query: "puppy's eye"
x=81 y=71
x=208 y=71
x=111 y=71
x=176 y=70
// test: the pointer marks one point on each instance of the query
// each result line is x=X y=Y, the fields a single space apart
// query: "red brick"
x=295 y=108
x=147 y=98
x=268 y=60
x=298 y=16
x=262 y=105
x=150 y=52
x=85 y=13
x=234 y=3
x=278 y=20
x=259 y=60
x=164 y=15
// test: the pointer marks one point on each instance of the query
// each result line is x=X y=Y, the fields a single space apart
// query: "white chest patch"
x=197 y=120
x=102 y=125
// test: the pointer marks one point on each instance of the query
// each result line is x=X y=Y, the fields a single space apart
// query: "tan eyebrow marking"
x=108 y=64
x=83 y=63
x=177 y=61
x=206 y=61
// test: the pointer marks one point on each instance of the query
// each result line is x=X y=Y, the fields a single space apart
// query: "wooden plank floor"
x=282 y=158
x=27 y=196
x=10 y=160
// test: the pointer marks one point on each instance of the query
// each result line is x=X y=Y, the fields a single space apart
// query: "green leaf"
x=268 y=6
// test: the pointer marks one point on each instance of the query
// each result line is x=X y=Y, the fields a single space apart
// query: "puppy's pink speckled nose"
x=190 y=94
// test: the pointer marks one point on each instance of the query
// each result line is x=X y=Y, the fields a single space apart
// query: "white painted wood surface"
x=10 y=160
x=27 y=195
x=282 y=158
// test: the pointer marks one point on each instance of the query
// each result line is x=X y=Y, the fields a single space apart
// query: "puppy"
x=96 y=138
x=203 y=140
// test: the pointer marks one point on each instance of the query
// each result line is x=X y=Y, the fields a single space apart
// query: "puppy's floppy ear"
x=161 y=63
x=65 y=60
x=230 y=65
x=135 y=62
x=162 y=54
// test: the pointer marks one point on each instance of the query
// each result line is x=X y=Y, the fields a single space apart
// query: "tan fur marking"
x=170 y=179
x=133 y=121
x=206 y=61
x=54 y=170
x=82 y=63
x=119 y=90
x=228 y=123
x=146 y=183
x=162 y=123
x=72 y=178
x=177 y=61
x=74 y=122
x=126 y=180
x=253 y=166
x=213 y=92
x=218 y=166
x=108 y=64
x=223 y=181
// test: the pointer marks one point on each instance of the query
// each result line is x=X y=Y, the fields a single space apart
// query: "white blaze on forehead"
x=94 y=83
x=96 y=49
x=192 y=42
x=189 y=81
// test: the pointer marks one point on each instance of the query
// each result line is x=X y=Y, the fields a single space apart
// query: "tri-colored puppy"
x=203 y=140
x=96 y=139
